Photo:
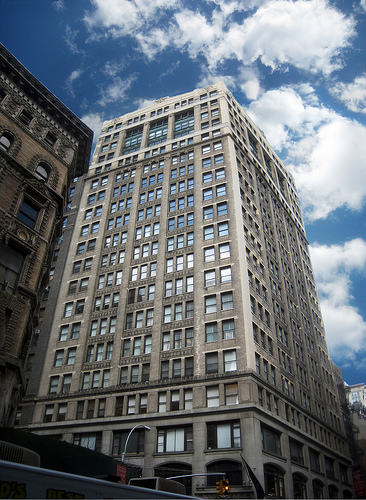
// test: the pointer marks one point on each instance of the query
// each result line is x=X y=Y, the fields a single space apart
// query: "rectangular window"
x=227 y=301
x=212 y=396
x=212 y=362
x=228 y=329
x=28 y=213
x=175 y=440
x=230 y=361
x=271 y=441
x=231 y=394
x=226 y=435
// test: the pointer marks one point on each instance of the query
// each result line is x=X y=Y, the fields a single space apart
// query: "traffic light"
x=226 y=485
x=219 y=487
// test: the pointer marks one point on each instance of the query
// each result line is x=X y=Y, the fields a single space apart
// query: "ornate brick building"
x=42 y=146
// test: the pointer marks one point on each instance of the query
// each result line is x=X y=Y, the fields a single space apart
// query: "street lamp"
x=128 y=437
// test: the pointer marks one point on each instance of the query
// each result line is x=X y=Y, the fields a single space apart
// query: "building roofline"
x=46 y=100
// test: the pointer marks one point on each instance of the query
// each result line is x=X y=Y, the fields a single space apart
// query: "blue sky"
x=296 y=66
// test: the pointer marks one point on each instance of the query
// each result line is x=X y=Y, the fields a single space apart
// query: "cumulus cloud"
x=334 y=174
x=333 y=267
x=124 y=16
x=307 y=34
x=325 y=151
x=117 y=90
x=95 y=122
x=352 y=94
x=288 y=113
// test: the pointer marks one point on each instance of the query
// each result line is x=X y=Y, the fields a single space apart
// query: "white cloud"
x=287 y=113
x=352 y=94
x=209 y=77
x=70 y=81
x=116 y=91
x=333 y=268
x=249 y=83
x=58 y=4
x=70 y=38
x=111 y=68
x=334 y=174
x=124 y=16
x=363 y=4
x=308 y=34
x=95 y=122
x=325 y=151
x=153 y=41
x=143 y=103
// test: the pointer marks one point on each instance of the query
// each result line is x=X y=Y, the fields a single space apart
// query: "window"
x=274 y=481
x=61 y=414
x=48 y=413
x=209 y=254
x=11 y=262
x=208 y=212
x=212 y=362
x=6 y=140
x=222 y=209
x=223 y=228
x=164 y=370
x=208 y=232
x=227 y=301
x=271 y=440
x=66 y=383
x=230 y=361
x=224 y=250
x=231 y=394
x=175 y=440
x=59 y=356
x=296 y=452
x=68 y=309
x=71 y=354
x=228 y=329
x=212 y=396
x=28 y=213
x=210 y=304
x=225 y=435
x=225 y=275
x=210 y=278
x=42 y=171
x=25 y=117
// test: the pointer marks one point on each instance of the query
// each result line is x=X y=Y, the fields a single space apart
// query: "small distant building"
x=43 y=146
x=356 y=394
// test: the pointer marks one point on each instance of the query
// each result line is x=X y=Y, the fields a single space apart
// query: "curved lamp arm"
x=128 y=437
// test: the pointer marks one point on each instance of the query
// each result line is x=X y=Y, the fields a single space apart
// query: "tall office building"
x=42 y=146
x=186 y=303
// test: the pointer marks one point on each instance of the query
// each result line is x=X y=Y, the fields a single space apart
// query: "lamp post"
x=128 y=437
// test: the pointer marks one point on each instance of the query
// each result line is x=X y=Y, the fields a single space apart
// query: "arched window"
x=171 y=469
x=233 y=472
x=318 y=489
x=299 y=482
x=333 y=491
x=42 y=171
x=6 y=140
x=274 y=485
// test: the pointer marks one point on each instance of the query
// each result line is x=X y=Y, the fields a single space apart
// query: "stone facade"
x=40 y=146
x=186 y=302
